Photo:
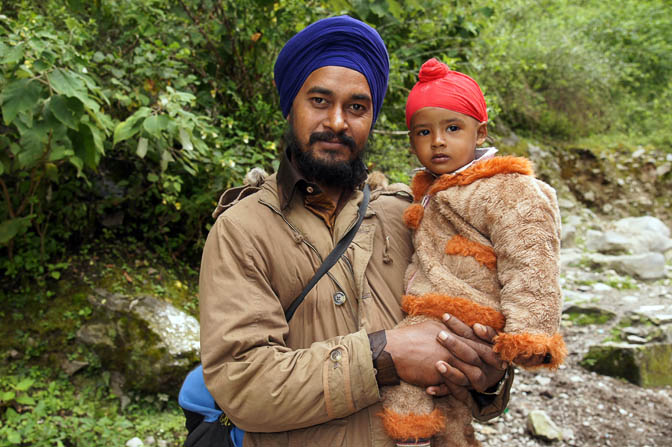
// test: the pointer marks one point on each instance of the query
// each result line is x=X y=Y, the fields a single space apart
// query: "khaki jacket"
x=312 y=381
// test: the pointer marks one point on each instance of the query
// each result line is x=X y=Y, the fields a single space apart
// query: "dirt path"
x=592 y=410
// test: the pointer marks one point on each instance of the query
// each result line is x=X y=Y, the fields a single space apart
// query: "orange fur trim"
x=435 y=305
x=461 y=246
x=519 y=347
x=486 y=168
x=421 y=182
x=413 y=215
x=412 y=426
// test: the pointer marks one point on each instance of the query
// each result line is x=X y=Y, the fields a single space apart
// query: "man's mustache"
x=330 y=137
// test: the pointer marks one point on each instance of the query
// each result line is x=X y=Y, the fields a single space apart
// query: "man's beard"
x=346 y=174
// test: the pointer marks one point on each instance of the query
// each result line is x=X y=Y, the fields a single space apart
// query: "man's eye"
x=358 y=107
x=318 y=100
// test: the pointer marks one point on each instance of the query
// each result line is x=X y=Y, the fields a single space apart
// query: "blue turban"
x=339 y=41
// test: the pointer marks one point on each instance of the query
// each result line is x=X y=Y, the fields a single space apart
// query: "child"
x=486 y=249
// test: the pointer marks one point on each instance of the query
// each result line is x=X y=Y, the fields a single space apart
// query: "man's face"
x=331 y=115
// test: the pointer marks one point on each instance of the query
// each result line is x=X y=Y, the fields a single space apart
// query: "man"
x=315 y=380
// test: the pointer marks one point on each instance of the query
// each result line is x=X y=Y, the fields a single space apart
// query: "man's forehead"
x=335 y=78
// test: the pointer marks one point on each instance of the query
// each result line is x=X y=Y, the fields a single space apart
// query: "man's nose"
x=336 y=120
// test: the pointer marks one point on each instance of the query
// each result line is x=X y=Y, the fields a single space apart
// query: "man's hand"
x=415 y=352
x=472 y=363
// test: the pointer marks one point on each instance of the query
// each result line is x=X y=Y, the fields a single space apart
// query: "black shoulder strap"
x=335 y=254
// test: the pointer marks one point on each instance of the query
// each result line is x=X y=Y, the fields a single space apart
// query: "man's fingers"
x=452 y=375
x=459 y=392
x=460 y=348
x=437 y=390
x=474 y=344
x=485 y=333
x=458 y=327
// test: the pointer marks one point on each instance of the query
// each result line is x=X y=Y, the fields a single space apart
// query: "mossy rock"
x=647 y=365
x=585 y=315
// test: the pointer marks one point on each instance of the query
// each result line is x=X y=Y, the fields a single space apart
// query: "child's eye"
x=452 y=128
x=423 y=133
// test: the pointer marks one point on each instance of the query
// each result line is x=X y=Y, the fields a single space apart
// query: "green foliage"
x=565 y=69
x=41 y=408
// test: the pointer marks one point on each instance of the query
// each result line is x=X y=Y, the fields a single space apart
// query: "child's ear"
x=481 y=133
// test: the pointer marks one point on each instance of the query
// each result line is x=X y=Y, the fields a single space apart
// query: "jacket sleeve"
x=524 y=226
x=260 y=383
x=491 y=405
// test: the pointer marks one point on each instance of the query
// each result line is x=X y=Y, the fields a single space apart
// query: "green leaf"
x=141 y=151
x=13 y=437
x=396 y=9
x=126 y=129
x=51 y=171
x=88 y=145
x=7 y=396
x=70 y=84
x=25 y=400
x=77 y=163
x=157 y=123
x=185 y=140
x=33 y=144
x=24 y=385
x=151 y=177
x=19 y=96
x=12 y=227
x=14 y=55
x=2 y=168
x=68 y=111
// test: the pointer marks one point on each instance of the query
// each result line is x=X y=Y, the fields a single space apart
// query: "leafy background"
x=121 y=121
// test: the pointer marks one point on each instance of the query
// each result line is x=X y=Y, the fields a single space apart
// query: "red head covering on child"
x=439 y=86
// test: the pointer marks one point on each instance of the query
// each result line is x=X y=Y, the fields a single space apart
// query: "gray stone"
x=643 y=266
x=541 y=426
x=632 y=235
x=148 y=341
x=134 y=442
x=72 y=366
x=570 y=257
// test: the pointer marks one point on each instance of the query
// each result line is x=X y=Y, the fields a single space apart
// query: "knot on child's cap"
x=433 y=69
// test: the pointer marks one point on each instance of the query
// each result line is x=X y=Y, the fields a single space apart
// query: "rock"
x=542 y=427
x=601 y=287
x=570 y=257
x=608 y=242
x=148 y=341
x=648 y=365
x=134 y=442
x=72 y=366
x=631 y=235
x=583 y=314
x=565 y=204
x=542 y=380
x=643 y=266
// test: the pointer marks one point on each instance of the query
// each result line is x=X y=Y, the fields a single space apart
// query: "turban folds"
x=439 y=86
x=339 y=41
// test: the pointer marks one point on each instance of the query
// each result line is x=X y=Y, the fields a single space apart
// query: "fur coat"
x=487 y=243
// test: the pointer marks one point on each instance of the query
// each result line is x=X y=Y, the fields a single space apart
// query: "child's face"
x=444 y=140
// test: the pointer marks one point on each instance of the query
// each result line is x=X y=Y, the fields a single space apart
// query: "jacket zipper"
x=352 y=271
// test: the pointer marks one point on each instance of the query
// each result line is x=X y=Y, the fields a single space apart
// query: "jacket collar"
x=290 y=179
x=424 y=182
